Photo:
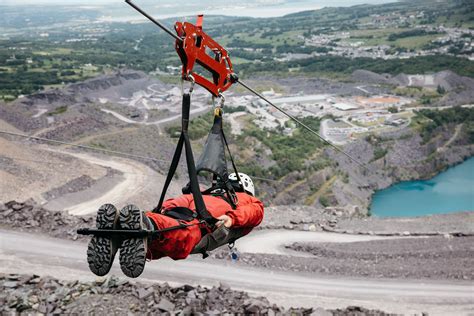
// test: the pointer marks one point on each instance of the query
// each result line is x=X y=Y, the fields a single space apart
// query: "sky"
x=170 y=8
x=184 y=2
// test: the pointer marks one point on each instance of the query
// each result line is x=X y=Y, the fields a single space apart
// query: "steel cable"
x=100 y=150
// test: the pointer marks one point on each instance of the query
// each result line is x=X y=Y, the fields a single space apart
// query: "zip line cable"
x=122 y=172
x=49 y=140
x=167 y=30
x=301 y=123
x=170 y=32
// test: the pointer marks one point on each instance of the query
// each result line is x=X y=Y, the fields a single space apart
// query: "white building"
x=344 y=106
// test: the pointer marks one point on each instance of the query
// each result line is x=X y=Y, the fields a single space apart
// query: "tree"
x=324 y=201
x=441 y=90
x=393 y=109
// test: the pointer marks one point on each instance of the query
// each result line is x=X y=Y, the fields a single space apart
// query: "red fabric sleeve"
x=180 y=201
x=249 y=212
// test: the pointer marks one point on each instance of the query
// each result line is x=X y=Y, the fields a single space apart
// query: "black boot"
x=101 y=250
x=133 y=250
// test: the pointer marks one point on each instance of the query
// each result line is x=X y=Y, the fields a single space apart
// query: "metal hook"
x=218 y=109
x=193 y=82
x=222 y=100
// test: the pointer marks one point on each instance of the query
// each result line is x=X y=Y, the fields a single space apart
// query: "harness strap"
x=197 y=196
x=230 y=189
x=184 y=141
x=231 y=158
x=181 y=213
x=171 y=172
x=229 y=201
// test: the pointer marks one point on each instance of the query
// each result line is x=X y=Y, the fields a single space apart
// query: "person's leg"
x=236 y=233
x=176 y=244
x=220 y=237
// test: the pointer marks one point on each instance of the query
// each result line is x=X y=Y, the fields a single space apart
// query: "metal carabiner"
x=218 y=109
x=222 y=100
x=193 y=82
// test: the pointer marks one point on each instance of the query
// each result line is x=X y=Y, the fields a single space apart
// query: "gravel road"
x=432 y=257
x=421 y=258
x=122 y=118
x=137 y=184
x=274 y=241
x=66 y=259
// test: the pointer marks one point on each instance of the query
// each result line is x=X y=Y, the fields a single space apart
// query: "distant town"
x=353 y=116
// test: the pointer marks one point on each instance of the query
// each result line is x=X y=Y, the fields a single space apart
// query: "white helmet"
x=246 y=182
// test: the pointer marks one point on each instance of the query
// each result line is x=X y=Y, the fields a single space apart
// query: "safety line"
x=5 y=158
x=28 y=160
x=101 y=150
x=301 y=123
x=82 y=146
x=167 y=30
x=270 y=180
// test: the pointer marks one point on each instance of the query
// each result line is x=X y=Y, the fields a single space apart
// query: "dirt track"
x=138 y=184
x=122 y=118
x=66 y=259
x=274 y=241
x=136 y=178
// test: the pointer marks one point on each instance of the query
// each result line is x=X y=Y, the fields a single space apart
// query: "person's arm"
x=180 y=201
x=249 y=213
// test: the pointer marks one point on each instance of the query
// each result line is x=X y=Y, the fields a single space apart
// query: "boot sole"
x=100 y=254
x=132 y=250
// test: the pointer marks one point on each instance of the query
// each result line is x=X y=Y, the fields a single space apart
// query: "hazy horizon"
x=152 y=2
x=115 y=10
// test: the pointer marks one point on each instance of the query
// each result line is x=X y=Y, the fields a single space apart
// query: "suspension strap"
x=171 y=172
x=229 y=187
x=232 y=159
x=184 y=141
x=191 y=44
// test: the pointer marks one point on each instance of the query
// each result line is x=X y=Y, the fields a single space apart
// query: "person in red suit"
x=232 y=224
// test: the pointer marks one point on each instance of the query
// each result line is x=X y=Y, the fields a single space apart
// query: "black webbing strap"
x=217 y=127
x=232 y=160
x=171 y=172
x=132 y=233
x=181 y=213
x=197 y=196
x=194 y=184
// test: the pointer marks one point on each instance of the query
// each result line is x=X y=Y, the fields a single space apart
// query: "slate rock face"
x=31 y=294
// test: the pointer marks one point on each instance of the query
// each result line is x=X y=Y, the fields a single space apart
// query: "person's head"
x=246 y=182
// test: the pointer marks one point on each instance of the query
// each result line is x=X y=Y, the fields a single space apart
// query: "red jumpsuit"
x=178 y=244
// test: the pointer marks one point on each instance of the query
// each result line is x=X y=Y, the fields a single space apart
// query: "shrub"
x=58 y=110
x=324 y=201
x=379 y=152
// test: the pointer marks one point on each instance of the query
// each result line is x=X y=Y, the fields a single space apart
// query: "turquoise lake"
x=450 y=191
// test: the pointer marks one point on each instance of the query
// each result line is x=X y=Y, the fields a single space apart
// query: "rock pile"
x=33 y=294
x=299 y=217
x=28 y=216
x=76 y=185
x=455 y=224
